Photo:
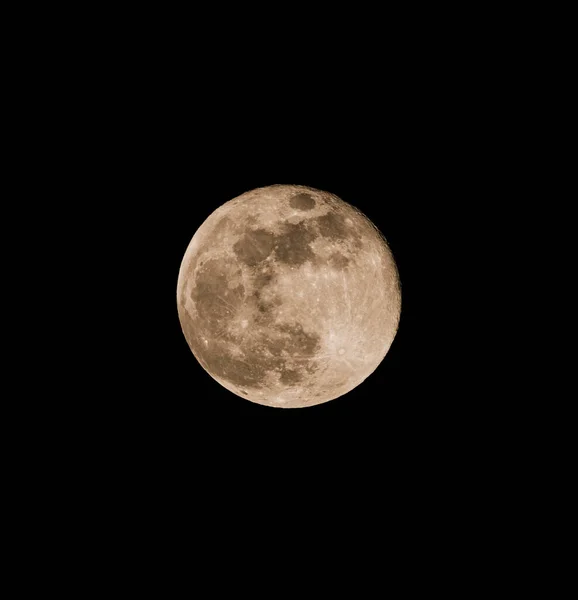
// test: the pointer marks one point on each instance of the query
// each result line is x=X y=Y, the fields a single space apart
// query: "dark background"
x=402 y=140
x=162 y=124
x=385 y=155
x=143 y=123
x=166 y=129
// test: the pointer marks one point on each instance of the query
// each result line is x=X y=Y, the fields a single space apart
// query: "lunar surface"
x=288 y=296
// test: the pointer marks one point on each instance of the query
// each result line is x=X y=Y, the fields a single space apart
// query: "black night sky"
x=152 y=123
x=381 y=161
x=395 y=146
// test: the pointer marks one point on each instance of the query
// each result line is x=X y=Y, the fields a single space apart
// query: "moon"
x=288 y=296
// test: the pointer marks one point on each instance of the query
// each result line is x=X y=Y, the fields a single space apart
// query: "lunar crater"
x=302 y=201
x=339 y=261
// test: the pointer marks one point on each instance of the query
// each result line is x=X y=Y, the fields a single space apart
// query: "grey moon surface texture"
x=288 y=296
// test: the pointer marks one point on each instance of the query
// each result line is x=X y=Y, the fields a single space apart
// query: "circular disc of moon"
x=288 y=296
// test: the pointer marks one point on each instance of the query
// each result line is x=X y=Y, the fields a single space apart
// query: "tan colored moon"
x=288 y=296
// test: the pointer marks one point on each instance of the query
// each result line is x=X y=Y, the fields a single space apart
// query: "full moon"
x=288 y=296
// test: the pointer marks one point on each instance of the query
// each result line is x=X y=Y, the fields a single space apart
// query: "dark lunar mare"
x=302 y=202
x=254 y=246
x=270 y=344
x=292 y=247
x=338 y=260
x=214 y=300
x=333 y=226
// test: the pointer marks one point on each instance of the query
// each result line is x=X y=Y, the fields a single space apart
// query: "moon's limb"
x=288 y=296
